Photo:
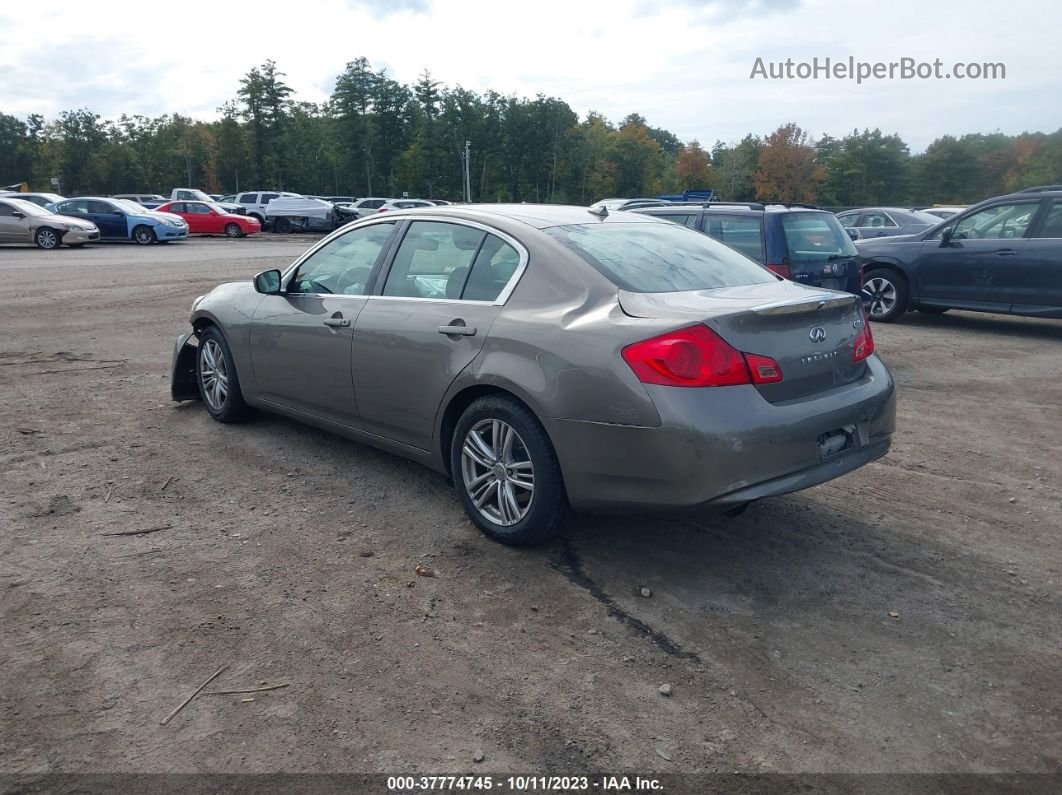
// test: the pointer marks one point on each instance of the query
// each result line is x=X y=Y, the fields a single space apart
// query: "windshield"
x=659 y=258
x=129 y=207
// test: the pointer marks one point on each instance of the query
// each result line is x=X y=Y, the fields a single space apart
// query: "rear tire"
x=282 y=226
x=502 y=459
x=47 y=239
x=215 y=373
x=233 y=230
x=144 y=235
x=889 y=294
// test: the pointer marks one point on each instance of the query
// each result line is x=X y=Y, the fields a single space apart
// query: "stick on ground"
x=238 y=692
x=143 y=532
x=198 y=690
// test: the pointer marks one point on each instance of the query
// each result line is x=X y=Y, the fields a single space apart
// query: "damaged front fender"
x=183 y=382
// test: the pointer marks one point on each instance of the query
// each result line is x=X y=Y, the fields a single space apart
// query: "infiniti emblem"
x=817 y=334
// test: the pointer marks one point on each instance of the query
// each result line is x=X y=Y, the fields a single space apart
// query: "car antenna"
x=601 y=213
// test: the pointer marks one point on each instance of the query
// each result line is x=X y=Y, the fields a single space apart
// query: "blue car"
x=121 y=219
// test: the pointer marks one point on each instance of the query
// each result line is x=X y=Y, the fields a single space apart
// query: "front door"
x=301 y=339
x=12 y=228
x=111 y=220
x=426 y=324
x=976 y=268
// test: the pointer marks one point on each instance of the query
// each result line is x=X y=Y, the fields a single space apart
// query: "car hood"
x=158 y=215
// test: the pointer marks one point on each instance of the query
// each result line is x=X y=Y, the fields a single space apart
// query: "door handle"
x=1006 y=252
x=336 y=322
x=462 y=331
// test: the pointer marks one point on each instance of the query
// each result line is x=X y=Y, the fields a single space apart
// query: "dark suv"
x=805 y=245
x=1002 y=255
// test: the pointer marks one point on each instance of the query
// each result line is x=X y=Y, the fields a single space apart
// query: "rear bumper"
x=723 y=447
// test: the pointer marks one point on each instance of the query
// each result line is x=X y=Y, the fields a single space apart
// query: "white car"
x=40 y=199
x=367 y=206
x=943 y=212
x=256 y=202
x=404 y=204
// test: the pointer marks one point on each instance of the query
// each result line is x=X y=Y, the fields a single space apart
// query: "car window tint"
x=1052 y=225
x=812 y=237
x=247 y=198
x=1001 y=221
x=495 y=265
x=432 y=259
x=658 y=258
x=373 y=204
x=77 y=206
x=344 y=265
x=849 y=220
x=877 y=220
x=268 y=197
x=743 y=233
x=100 y=207
x=198 y=209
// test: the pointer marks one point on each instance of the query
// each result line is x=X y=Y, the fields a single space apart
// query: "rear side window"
x=268 y=197
x=247 y=198
x=742 y=233
x=495 y=265
x=433 y=260
x=1052 y=225
x=659 y=258
x=811 y=237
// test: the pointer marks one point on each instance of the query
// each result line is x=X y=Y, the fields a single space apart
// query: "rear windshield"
x=815 y=236
x=659 y=258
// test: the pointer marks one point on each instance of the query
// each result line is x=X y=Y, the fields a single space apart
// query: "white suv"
x=255 y=202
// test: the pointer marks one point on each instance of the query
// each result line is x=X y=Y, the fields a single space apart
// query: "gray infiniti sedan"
x=550 y=358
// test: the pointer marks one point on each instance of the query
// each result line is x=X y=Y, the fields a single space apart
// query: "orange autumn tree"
x=692 y=167
x=789 y=170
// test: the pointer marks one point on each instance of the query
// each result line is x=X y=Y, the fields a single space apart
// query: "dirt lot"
x=907 y=617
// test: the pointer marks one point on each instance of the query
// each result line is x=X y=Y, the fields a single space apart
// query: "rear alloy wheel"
x=282 y=226
x=46 y=238
x=888 y=294
x=233 y=230
x=506 y=473
x=219 y=386
x=144 y=235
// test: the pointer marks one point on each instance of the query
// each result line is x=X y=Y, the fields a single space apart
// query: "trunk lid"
x=809 y=333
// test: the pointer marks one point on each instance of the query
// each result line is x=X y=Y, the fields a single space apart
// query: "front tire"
x=219 y=385
x=47 y=239
x=144 y=235
x=233 y=230
x=889 y=294
x=506 y=473
x=282 y=226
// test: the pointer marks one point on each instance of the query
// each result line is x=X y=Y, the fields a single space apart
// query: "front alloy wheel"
x=46 y=239
x=213 y=374
x=497 y=471
x=219 y=385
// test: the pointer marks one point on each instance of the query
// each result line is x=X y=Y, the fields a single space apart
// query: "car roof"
x=539 y=216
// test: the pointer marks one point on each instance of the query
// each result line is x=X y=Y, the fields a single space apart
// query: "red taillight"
x=781 y=270
x=864 y=344
x=382 y=210
x=697 y=357
x=764 y=369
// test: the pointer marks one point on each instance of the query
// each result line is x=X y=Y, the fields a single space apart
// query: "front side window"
x=658 y=258
x=433 y=260
x=103 y=208
x=344 y=265
x=6 y=210
x=1002 y=221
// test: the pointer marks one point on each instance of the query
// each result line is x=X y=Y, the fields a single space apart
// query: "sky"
x=684 y=65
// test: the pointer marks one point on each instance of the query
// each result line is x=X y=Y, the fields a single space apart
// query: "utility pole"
x=468 y=178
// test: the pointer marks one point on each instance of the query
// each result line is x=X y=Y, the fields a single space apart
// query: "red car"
x=207 y=218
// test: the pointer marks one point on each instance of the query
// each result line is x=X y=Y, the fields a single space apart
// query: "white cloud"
x=684 y=65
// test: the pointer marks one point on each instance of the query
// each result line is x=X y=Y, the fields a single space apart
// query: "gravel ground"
x=906 y=617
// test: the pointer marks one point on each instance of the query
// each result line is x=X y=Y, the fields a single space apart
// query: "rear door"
x=301 y=339
x=445 y=286
x=980 y=267
x=1038 y=282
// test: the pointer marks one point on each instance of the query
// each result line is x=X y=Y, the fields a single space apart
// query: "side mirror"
x=945 y=236
x=853 y=233
x=268 y=282
x=117 y=212
x=18 y=214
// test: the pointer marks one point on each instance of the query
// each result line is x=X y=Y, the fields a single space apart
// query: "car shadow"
x=1032 y=328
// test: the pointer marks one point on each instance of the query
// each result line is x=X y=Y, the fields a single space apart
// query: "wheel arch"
x=461 y=399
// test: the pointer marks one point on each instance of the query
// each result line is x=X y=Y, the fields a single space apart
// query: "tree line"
x=377 y=136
